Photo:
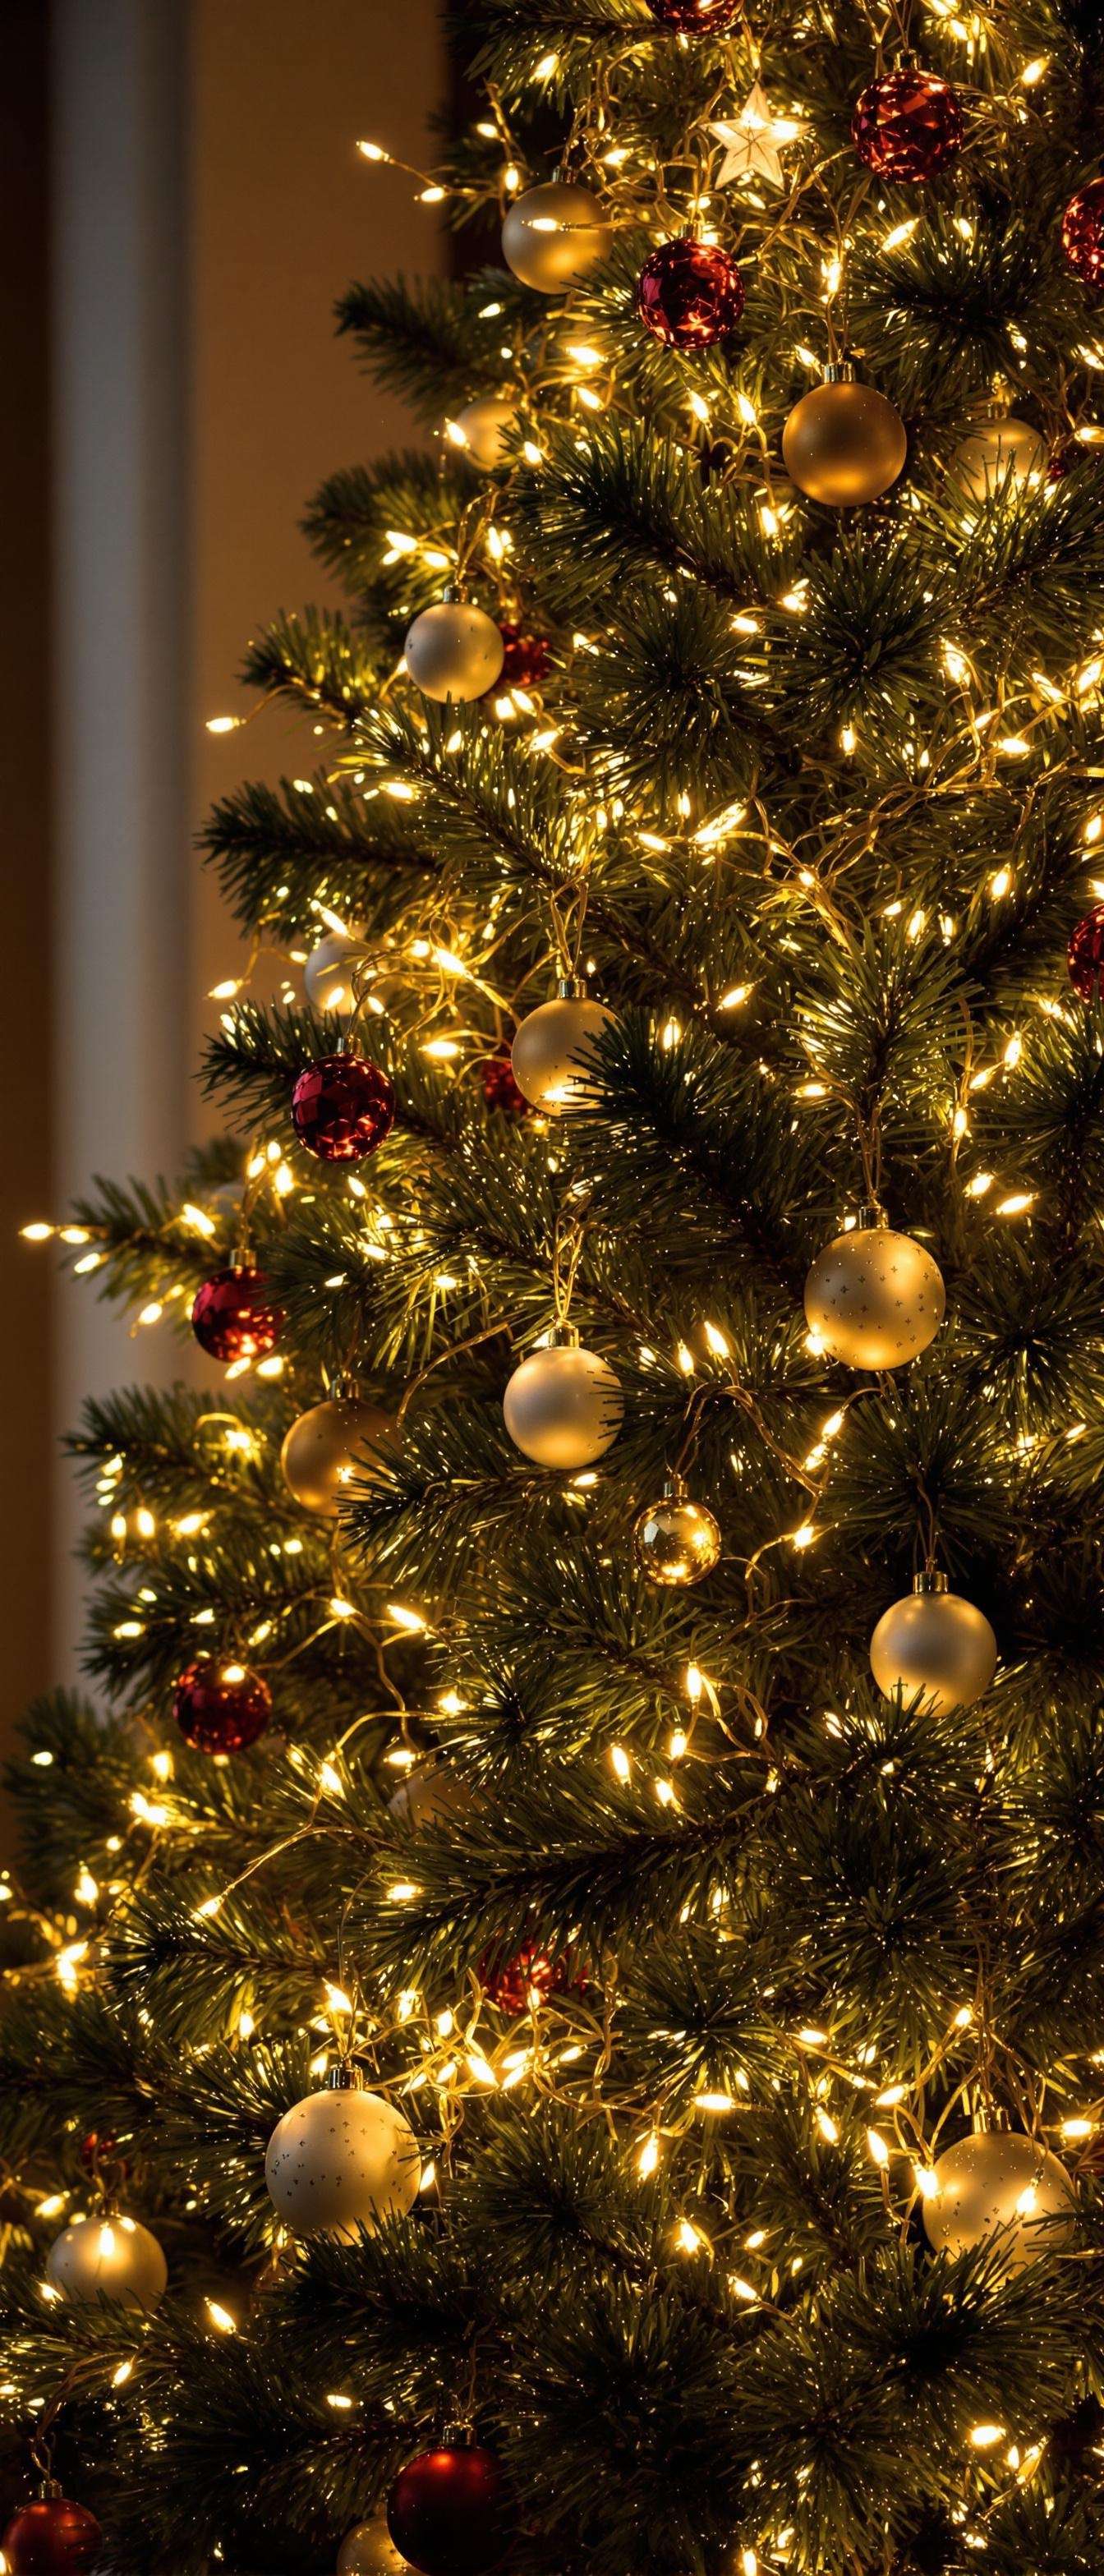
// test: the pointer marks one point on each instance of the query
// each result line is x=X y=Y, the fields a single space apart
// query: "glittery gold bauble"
x=549 y=1056
x=997 y=451
x=370 y=2551
x=483 y=428
x=322 y=1454
x=107 y=2258
x=341 y=2159
x=563 y=1406
x=433 y=1793
x=676 y=1541
x=934 y=1642
x=844 y=442
x=1002 y=2187
x=874 y=1298
x=453 y=651
x=554 y=234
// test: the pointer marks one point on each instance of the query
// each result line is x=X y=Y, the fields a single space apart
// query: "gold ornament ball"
x=548 y=1058
x=934 y=1642
x=554 y=234
x=844 y=443
x=874 y=1298
x=370 y=2551
x=330 y=970
x=107 y=2257
x=676 y=1541
x=320 y=1457
x=339 y=2160
x=432 y=1794
x=454 y=651
x=563 y=1406
x=483 y=428
x=999 y=449
x=1002 y=2186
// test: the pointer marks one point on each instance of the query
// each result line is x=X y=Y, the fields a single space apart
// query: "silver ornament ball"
x=454 y=651
x=107 y=2257
x=332 y=974
x=554 y=235
x=999 y=2186
x=323 y=1453
x=935 y=1642
x=874 y=1298
x=563 y=1406
x=341 y=2159
x=999 y=450
x=549 y=1056
x=484 y=428
x=370 y=2551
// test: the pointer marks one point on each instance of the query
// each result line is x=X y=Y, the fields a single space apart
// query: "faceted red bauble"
x=696 y=17
x=524 y=660
x=907 y=126
x=220 y=1708
x=234 y=1318
x=689 y=294
x=509 y=1983
x=450 y=2511
x=501 y=1090
x=51 y=2538
x=342 y=1108
x=1085 y=955
x=1083 y=233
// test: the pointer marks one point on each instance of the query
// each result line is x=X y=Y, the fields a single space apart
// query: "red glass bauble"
x=1085 y=955
x=696 y=17
x=450 y=2511
x=524 y=659
x=689 y=294
x=1083 y=233
x=342 y=1108
x=907 y=126
x=220 y=1708
x=233 y=1317
x=51 y=2538
x=510 y=1982
x=502 y=1092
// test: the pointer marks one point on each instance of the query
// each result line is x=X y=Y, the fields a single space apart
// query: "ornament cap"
x=840 y=371
x=929 y=1584
x=48 y=2491
x=457 y=2435
x=564 y=1337
x=571 y=988
x=674 y=1488
x=344 y=2078
x=868 y=1219
x=451 y=593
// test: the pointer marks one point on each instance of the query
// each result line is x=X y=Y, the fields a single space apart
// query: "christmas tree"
x=602 y=1799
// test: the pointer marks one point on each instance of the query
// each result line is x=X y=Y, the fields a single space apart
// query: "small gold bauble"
x=370 y=2551
x=934 y=1642
x=107 y=2258
x=563 y=1406
x=844 y=442
x=874 y=1298
x=999 y=2185
x=549 y=1056
x=454 y=651
x=676 y=1541
x=483 y=428
x=554 y=234
x=999 y=450
x=321 y=1456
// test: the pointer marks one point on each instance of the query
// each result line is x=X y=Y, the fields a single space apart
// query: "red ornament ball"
x=696 y=17
x=450 y=2511
x=221 y=1708
x=509 y=1983
x=342 y=1108
x=501 y=1091
x=233 y=1317
x=689 y=294
x=1085 y=956
x=1083 y=233
x=51 y=2537
x=524 y=659
x=907 y=126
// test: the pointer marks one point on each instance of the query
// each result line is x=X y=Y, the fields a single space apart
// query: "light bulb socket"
x=929 y=1585
x=571 y=988
x=344 y=2078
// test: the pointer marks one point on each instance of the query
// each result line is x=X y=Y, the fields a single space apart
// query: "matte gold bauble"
x=844 y=442
x=554 y=234
x=107 y=2258
x=676 y=1541
x=563 y=1406
x=874 y=1298
x=321 y=1456
x=453 y=651
x=548 y=1058
x=370 y=2551
x=483 y=428
x=433 y=1793
x=1002 y=2187
x=999 y=450
x=934 y=1642
x=341 y=2159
